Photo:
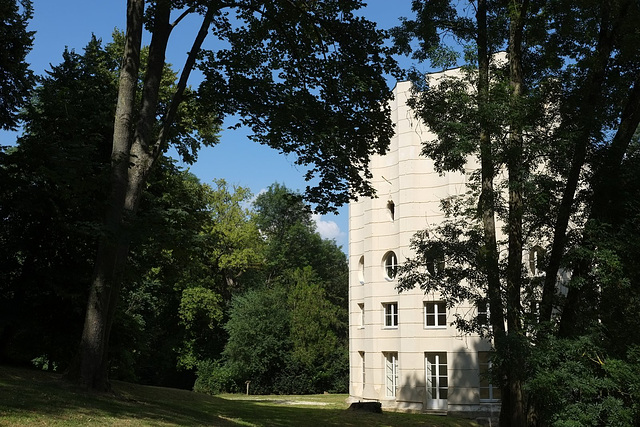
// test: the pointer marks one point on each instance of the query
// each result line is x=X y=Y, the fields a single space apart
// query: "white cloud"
x=327 y=229
x=248 y=204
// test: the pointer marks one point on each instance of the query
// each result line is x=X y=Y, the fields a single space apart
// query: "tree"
x=223 y=264
x=285 y=220
x=596 y=365
x=305 y=78
x=53 y=188
x=259 y=339
x=288 y=331
x=195 y=247
x=16 y=79
x=553 y=112
x=51 y=192
x=286 y=338
x=172 y=293
x=318 y=333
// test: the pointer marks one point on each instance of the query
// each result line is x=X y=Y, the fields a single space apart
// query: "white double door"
x=436 y=379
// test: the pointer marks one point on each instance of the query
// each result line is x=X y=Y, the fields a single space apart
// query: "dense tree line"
x=288 y=334
x=197 y=250
x=548 y=102
x=307 y=79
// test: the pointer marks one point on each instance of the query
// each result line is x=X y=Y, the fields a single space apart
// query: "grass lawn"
x=29 y=398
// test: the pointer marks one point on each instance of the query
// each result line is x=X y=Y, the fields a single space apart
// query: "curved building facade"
x=404 y=352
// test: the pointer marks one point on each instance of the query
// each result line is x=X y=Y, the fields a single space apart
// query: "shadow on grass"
x=35 y=397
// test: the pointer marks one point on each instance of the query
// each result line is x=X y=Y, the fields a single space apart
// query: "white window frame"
x=390 y=373
x=482 y=310
x=390 y=265
x=439 y=309
x=390 y=315
x=437 y=375
x=484 y=368
x=361 y=270
x=364 y=371
x=536 y=254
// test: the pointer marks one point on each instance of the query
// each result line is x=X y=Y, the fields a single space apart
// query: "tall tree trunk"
x=487 y=196
x=605 y=178
x=490 y=255
x=586 y=119
x=513 y=414
x=89 y=367
x=605 y=181
x=133 y=157
x=141 y=156
x=145 y=153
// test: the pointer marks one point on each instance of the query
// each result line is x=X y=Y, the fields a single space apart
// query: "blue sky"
x=70 y=23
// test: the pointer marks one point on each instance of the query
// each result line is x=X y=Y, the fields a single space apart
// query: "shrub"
x=214 y=377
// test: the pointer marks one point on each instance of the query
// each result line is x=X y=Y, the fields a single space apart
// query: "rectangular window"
x=483 y=312
x=364 y=377
x=534 y=311
x=391 y=373
x=361 y=314
x=390 y=315
x=435 y=314
x=487 y=390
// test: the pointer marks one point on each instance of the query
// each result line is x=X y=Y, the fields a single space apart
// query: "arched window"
x=536 y=260
x=435 y=260
x=391 y=210
x=435 y=265
x=361 y=270
x=390 y=263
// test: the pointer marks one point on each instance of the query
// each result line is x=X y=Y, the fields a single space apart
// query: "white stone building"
x=403 y=351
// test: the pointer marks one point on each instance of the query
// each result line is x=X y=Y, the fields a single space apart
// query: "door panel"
x=436 y=380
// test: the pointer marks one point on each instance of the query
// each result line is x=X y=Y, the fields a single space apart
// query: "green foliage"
x=51 y=190
x=284 y=341
x=199 y=303
x=17 y=79
x=214 y=378
x=592 y=378
x=259 y=341
x=288 y=333
x=308 y=80
x=313 y=320
x=193 y=247
x=181 y=280
x=575 y=384
x=551 y=128
x=53 y=194
x=286 y=221
x=235 y=248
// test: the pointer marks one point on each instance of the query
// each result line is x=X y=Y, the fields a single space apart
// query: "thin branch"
x=182 y=83
x=182 y=16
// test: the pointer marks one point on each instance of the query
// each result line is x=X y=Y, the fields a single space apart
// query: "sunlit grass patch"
x=30 y=398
